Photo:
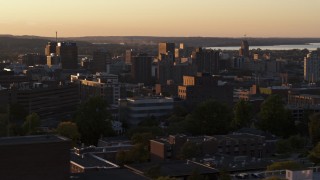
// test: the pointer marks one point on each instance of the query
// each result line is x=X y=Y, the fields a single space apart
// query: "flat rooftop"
x=31 y=139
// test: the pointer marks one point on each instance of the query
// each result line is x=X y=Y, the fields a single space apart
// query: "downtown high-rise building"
x=312 y=67
x=50 y=48
x=100 y=61
x=165 y=48
x=141 y=68
x=206 y=60
x=244 y=49
x=63 y=53
x=68 y=53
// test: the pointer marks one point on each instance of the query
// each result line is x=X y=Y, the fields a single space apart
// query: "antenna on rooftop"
x=56 y=36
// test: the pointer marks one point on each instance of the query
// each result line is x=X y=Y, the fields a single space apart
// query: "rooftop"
x=119 y=174
x=31 y=139
x=175 y=168
x=89 y=160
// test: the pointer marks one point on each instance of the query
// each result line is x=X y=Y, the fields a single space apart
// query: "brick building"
x=240 y=144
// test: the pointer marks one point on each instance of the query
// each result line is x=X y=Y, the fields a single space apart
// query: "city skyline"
x=215 y=18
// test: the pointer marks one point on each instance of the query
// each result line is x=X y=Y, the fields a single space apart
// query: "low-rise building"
x=35 y=157
x=104 y=85
x=140 y=108
x=240 y=144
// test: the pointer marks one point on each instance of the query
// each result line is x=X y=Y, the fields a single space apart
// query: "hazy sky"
x=234 y=18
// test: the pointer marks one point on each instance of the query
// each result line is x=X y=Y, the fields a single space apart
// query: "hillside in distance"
x=195 y=41
x=11 y=46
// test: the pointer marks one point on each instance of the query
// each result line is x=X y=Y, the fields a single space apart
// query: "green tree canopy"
x=314 y=128
x=32 y=123
x=243 y=114
x=195 y=175
x=314 y=155
x=93 y=120
x=165 y=178
x=284 y=165
x=69 y=130
x=17 y=112
x=142 y=138
x=275 y=118
x=210 y=117
x=224 y=175
x=189 y=150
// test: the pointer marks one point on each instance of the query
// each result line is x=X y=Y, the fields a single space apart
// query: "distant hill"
x=194 y=41
x=11 y=46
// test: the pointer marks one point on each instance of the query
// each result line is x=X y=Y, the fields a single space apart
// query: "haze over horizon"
x=166 y=18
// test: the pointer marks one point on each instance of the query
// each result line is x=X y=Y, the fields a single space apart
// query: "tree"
x=297 y=142
x=195 y=175
x=274 y=178
x=32 y=123
x=69 y=130
x=121 y=157
x=165 y=178
x=93 y=120
x=210 y=117
x=243 y=114
x=154 y=172
x=17 y=112
x=275 y=118
x=284 y=165
x=283 y=146
x=142 y=138
x=189 y=150
x=224 y=175
x=314 y=128
x=137 y=154
x=4 y=119
x=314 y=155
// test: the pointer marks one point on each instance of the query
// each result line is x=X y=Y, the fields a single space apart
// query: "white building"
x=142 y=107
x=299 y=175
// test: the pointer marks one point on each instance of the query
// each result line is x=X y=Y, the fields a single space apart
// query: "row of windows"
x=150 y=104
x=151 y=111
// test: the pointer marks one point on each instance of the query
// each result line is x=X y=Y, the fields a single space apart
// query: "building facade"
x=68 y=53
x=141 y=108
x=141 y=69
x=196 y=89
x=165 y=48
x=35 y=158
x=312 y=67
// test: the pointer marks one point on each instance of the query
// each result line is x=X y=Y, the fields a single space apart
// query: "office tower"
x=164 y=48
x=32 y=59
x=50 y=48
x=100 y=61
x=206 y=60
x=53 y=60
x=68 y=53
x=129 y=54
x=141 y=68
x=244 y=49
x=203 y=86
x=311 y=67
x=165 y=68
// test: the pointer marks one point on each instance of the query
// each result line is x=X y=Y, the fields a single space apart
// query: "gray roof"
x=31 y=139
